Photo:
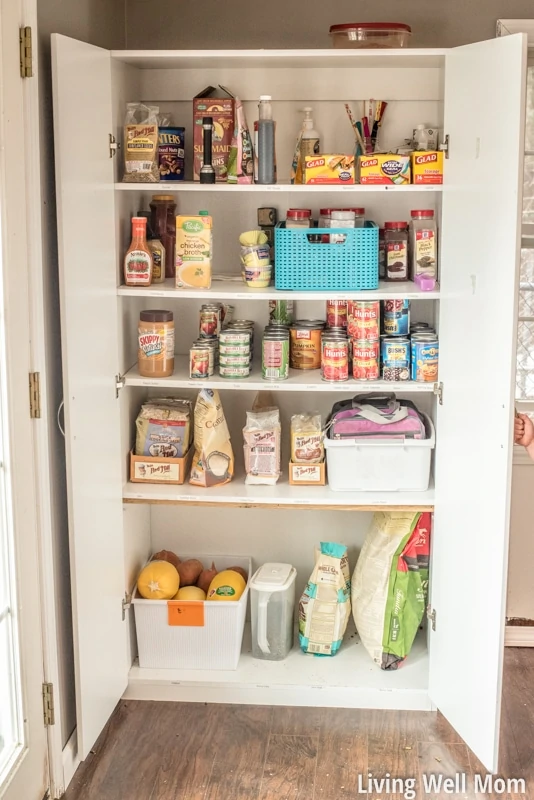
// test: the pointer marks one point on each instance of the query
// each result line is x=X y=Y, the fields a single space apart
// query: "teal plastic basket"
x=306 y=264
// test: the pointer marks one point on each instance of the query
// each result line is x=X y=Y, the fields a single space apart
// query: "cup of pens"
x=367 y=128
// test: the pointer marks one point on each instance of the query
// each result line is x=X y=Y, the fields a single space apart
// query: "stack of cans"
x=204 y=352
x=275 y=351
x=236 y=348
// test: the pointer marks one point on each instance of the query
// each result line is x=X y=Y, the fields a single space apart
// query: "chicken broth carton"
x=194 y=251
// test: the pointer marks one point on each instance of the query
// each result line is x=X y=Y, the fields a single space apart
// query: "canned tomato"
x=336 y=314
x=335 y=359
x=425 y=358
x=396 y=317
x=395 y=351
x=234 y=372
x=210 y=320
x=275 y=357
x=305 y=350
x=366 y=360
x=199 y=362
x=363 y=320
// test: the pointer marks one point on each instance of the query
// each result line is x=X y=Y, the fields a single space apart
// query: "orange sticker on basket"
x=185 y=614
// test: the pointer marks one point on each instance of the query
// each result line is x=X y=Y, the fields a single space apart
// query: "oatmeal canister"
x=155 y=353
x=335 y=359
x=305 y=350
x=336 y=313
x=363 y=320
x=425 y=358
x=396 y=317
x=275 y=356
x=395 y=358
x=366 y=360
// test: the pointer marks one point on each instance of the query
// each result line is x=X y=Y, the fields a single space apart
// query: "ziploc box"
x=220 y=105
x=329 y=169
x=381 y=168
x=427 y=167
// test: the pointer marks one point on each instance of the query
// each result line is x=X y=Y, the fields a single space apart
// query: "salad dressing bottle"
x=138 y=259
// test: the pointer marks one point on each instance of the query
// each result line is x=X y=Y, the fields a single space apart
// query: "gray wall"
x=100 y=22
x=192 y=24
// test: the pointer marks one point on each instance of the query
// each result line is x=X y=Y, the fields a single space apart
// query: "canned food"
x=234 y=350
x=396 y=317
x=305 y=351
x=335 y=360
x=199 y=362
x=421 y=327
x=336 y=314
x=227 y=312
x=234 y=372
x=366 y=360
x=425 y=358
x=234 y=337
x=275 y=357
x=212 y=345
x=234 y=361
x=210 y=320
x=395 y=351
x=363 y=320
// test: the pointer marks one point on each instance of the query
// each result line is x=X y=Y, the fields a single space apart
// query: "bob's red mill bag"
x=222 y=110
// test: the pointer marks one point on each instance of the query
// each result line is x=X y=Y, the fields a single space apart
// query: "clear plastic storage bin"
x=371 y=35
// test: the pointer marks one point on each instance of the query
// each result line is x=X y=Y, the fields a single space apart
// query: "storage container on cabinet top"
x=371 y=35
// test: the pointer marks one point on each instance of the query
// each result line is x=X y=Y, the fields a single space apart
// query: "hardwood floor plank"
x=447 y=760
x=294 y=721
x=341 y=759
x=289 y=771
x=393 y=755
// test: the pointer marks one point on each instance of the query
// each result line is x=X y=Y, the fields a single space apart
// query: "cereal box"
x=194 y=250
x=222 y=109
x=329 y=168
x=427 y=167
x=381 y=168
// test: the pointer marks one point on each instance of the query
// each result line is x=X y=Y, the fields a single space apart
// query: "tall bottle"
x=310 y=143
x=266 y=152
x=138 y=259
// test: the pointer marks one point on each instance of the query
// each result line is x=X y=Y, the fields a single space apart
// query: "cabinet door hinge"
x=48 y=704
x=126 y=604
x=438 y=391
x=114 y=145
x=35 y=395
x=120 y=383
x=444 y=146
x=26 y=57
x=431 y=616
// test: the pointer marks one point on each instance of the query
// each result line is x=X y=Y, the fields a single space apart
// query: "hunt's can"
x=425 y=357
x=336 y=314
x=363 y=320
x=200 y=364
x=396 y=317
x=395 y=351
x=335 y=359
x=366 y=360
x=275 y=356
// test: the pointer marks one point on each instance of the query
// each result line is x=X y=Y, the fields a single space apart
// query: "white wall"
x=100 y=22
x=521 y=565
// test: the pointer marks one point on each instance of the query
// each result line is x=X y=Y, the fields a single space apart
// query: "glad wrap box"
x=324 y=607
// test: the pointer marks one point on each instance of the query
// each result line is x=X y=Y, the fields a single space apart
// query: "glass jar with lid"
x=163 y=224
x=396 y=245
x=298 y=218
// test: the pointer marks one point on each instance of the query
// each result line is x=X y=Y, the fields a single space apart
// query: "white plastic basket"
x=216 y=645
x=396 y=466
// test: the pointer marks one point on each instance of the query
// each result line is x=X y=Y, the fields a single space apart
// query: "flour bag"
x=324 y=607
x=390 y=585
x=213 y=460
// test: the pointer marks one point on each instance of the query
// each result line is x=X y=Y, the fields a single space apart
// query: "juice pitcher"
x=272 y=591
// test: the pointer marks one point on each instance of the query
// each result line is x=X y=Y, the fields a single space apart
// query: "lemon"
x=226 y=585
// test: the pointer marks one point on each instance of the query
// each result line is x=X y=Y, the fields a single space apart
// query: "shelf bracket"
x=438 y=391
x=444 y=146
x=120 y=383
x=431 y=616
x=126 y=604
x=114 y=145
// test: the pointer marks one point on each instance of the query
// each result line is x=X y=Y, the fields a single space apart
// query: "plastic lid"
x=395 y=226
x=273 y=577
x=380 y=26
x=424 y=213
x=139 y=220
x=203 y=213
x=207 y=120
x=163 y=197
x=299 y=213
x=156 y=316
x=325 y=212
x=265 y=97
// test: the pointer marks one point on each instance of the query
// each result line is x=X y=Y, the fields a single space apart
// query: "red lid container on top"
x=423 y=214
x=395 y=226
x=371 y=34
x=298 y=213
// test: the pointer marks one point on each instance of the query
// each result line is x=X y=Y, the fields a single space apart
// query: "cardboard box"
x=219 y=104
x=145 y=469
x=427 y=167
x=330 y=168
x=307 y=474
x=383 y=168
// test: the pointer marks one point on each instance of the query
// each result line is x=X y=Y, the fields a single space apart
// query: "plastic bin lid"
x=273 y=577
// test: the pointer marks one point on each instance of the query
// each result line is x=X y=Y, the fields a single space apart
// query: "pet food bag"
x=213 y=459
x=390 y=585
x=324 y=607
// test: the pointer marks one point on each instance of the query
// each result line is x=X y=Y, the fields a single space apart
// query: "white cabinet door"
x=87 y=270
x=484 y=118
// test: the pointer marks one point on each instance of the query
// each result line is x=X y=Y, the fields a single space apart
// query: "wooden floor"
x=170 y=751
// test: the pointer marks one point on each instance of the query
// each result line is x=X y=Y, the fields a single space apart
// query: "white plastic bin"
x=396 y=466
x=216 y=645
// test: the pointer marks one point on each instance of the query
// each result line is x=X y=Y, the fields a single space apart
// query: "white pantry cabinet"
x=114 y=525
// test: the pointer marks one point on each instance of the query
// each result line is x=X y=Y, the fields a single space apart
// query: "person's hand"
x=523 y=430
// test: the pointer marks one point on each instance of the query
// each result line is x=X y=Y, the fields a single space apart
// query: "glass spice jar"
x=396 y=244
x=155 y=349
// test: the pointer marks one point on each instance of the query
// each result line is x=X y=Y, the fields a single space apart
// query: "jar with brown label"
x=396 y=243
x=155 y=353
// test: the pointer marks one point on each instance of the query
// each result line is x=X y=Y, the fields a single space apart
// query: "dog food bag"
x=141 y=144
x=390 y=585
x=262 y=435
x=213 y=459
x=164 y=428
x=324 y=607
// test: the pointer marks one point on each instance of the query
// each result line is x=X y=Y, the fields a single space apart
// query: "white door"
x=23 y=737
x=88 y=291
x=484 y=118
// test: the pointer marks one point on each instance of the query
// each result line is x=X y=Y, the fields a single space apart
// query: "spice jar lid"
x=299 y=213
x=424 y=213
x=156 y=316
x=325 y=212
x=163 y=197
x=395 y=226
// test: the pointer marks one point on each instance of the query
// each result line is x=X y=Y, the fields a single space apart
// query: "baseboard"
x=71 y=760
x=519 y=636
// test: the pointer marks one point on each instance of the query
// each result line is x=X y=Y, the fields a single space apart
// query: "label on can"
x=425 y=360
x=234 y=361
x=336 y=313
x=396 y=319
x=234 y=372
x=335 y=360
x=366 y=360
x=395 y=359
x=233 y=337
x=363 y=320
x=275 y=359
x=234 y=349
x=199 y=362
x=305 y=348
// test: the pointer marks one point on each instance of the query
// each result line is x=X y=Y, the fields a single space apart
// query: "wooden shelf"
x=169 y=187
x=233 y=288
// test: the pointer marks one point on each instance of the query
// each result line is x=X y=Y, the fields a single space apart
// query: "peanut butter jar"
x=155 y=353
